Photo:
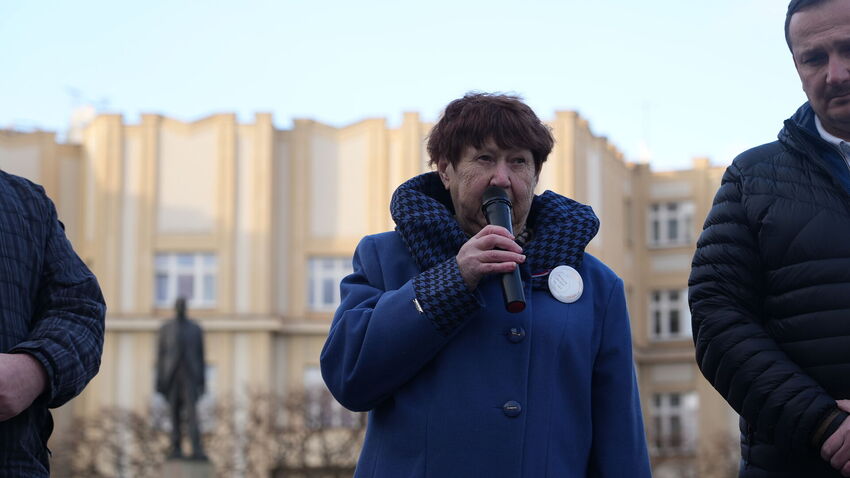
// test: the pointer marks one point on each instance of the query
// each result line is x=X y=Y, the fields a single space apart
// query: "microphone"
x=497 y=210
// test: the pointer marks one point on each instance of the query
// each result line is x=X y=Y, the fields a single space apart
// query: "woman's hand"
x=491 y=251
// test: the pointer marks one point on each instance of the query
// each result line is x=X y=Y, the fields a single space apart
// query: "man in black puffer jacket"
x=770 y=283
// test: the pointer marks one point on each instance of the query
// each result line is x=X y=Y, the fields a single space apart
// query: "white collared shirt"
x=843 y=146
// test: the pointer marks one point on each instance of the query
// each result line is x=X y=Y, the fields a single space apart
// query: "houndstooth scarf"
x=424 y=215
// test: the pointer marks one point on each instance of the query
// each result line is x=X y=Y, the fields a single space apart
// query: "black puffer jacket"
x=770 y=299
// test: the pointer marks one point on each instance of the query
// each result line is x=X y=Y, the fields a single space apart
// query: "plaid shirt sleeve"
x=66 y=334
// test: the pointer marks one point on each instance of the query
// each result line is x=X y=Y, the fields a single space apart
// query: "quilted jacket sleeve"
x=68 y=318
x=379 y=339
x=782 y=404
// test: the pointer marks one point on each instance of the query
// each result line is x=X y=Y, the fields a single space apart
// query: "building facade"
x=256 y=226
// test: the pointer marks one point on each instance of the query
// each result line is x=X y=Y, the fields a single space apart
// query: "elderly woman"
x=456 y=385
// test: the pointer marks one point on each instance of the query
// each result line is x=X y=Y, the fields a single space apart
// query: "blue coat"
x=474 y=390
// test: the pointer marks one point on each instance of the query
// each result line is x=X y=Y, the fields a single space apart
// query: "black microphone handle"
x=498 y=212
x=512 y=291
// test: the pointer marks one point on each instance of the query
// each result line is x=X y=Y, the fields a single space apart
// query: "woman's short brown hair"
x=478 y=117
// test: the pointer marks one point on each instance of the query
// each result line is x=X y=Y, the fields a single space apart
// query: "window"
x=323 y=411
x=188 y=275
x=673 y=419
x=325 y=275
x=669 y=315
x=671 y=224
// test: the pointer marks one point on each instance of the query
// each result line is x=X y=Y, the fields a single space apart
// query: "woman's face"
x=479 y=168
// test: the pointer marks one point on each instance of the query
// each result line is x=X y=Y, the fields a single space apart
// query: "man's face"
x=820 y=43
x=490 y=165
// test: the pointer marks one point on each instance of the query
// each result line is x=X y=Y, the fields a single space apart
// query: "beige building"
x=257 y=225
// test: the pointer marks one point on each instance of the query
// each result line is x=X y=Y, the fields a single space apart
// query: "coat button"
x=516 y=334
x=512 y=408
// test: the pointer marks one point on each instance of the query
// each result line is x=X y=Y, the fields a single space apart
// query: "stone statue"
x=180 y=376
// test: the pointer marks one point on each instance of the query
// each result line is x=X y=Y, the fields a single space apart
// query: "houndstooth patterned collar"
x=424 y=216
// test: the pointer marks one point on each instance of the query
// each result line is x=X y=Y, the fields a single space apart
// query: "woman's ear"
x=443 y=169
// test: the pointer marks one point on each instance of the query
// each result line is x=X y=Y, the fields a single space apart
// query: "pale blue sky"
x=689 y=78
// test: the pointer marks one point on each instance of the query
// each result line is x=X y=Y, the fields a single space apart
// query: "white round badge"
x=565 y=284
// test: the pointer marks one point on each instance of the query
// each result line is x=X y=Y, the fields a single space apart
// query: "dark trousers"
x=182 y=398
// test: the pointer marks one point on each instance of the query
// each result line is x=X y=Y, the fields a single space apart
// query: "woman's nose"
x=501 y=175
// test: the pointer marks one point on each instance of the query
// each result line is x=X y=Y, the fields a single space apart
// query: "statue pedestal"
x=185 y=468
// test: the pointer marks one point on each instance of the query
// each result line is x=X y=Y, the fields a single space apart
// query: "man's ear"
x=443 y=166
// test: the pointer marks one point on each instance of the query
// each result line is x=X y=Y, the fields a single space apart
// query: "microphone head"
x=494 y=193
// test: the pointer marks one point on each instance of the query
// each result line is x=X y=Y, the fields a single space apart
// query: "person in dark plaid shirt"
x=51 y=325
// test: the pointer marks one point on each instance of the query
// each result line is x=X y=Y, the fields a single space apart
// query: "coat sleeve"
x=66 y=334
x=619 y=441
x=782 y=404
x=380 y=339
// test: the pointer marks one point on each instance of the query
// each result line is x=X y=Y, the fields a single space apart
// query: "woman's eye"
x=485 y=157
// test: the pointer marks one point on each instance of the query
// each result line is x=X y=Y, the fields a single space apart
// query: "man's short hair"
x=794 y=7
x=478 y=117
